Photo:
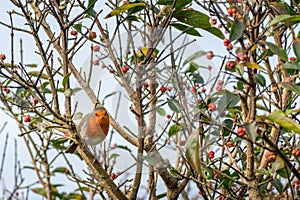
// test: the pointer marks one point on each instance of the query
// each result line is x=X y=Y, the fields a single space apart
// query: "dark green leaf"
x=292 y=87
x=161 y=111
x=174 y=129
x=196 y=78
x=178 y=5
x=66 y=79
x=124 y=8
x=187 y=29
x=260 y=79
x=284 y=172
x=60 y=170
x=192 y=68
x=78 y=26
x=91 y=12
x=237 y=30
x=192 y=151
x=193 y=18
x=278 y=185
x=174 y=105
x=265 y=53
x=277 y=50
x=161 y=195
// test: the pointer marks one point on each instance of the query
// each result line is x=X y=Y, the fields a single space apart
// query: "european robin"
x=93 y=128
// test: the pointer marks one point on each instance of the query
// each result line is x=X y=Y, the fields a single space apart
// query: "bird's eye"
x=96 y=114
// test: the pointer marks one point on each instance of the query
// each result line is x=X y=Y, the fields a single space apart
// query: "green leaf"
x=196 y=78
x=277 y=50
x=161 y=111
x=124 y=8
x=192 y=151
x=174 y=129
x=60 y=170
x=285 y=18
x=91 y=12
x=296 y=47
x=291 y=65
x=278 y=185
x=68 y=92
x=65 y=80
x=237 y=30
x=194 y=18
x=174 y=105
x=78 y=26
x=194 y=56
x=228 y=100
x=262 y=171
x=109 y=95
x=216 y=32
x=31 y=65
x=77 y=116
x=279 y=117
x=38 y=74
x=160 y=196
x=188 y=29
x=192 y=68
x=284 y=172
x=260 y=79
x=113 y=156
x=292 y=87
x=265 y=53
x=178 y=5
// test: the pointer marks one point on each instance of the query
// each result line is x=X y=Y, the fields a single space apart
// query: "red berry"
x=270 y=156
x=181 y=143
x=210 y=55
x=194 y=89
x=211 y=154
x=168 y=116
x=209 y=67
x=229 y=144
x=113 y=176
x=219 y=88
x=229 y=11
x=234 y=11
x=212 y=21
x=146 y=85
x=296 y=152
x=163 y=89
x=111 y=70
x=219 y=25
x=35 y=101
x=125 y=69
x=27 y=118
x=216 y=175
x=103 y=66
x=196 y=85
x=168 y=142
x=230 y=47
x=241 y=131
x=96 y=62
x=189 y=8
x=212 y=107
x=293 y=58
x=5 y=89
x=203 y=90
x=169 y=88
x=125 y=2
x=67 y=171
x=226 y=42
x=2 y=56
x=96 y=48
x=73 y=32
x=230 y=65
x=114 y=145
x=297 y=182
